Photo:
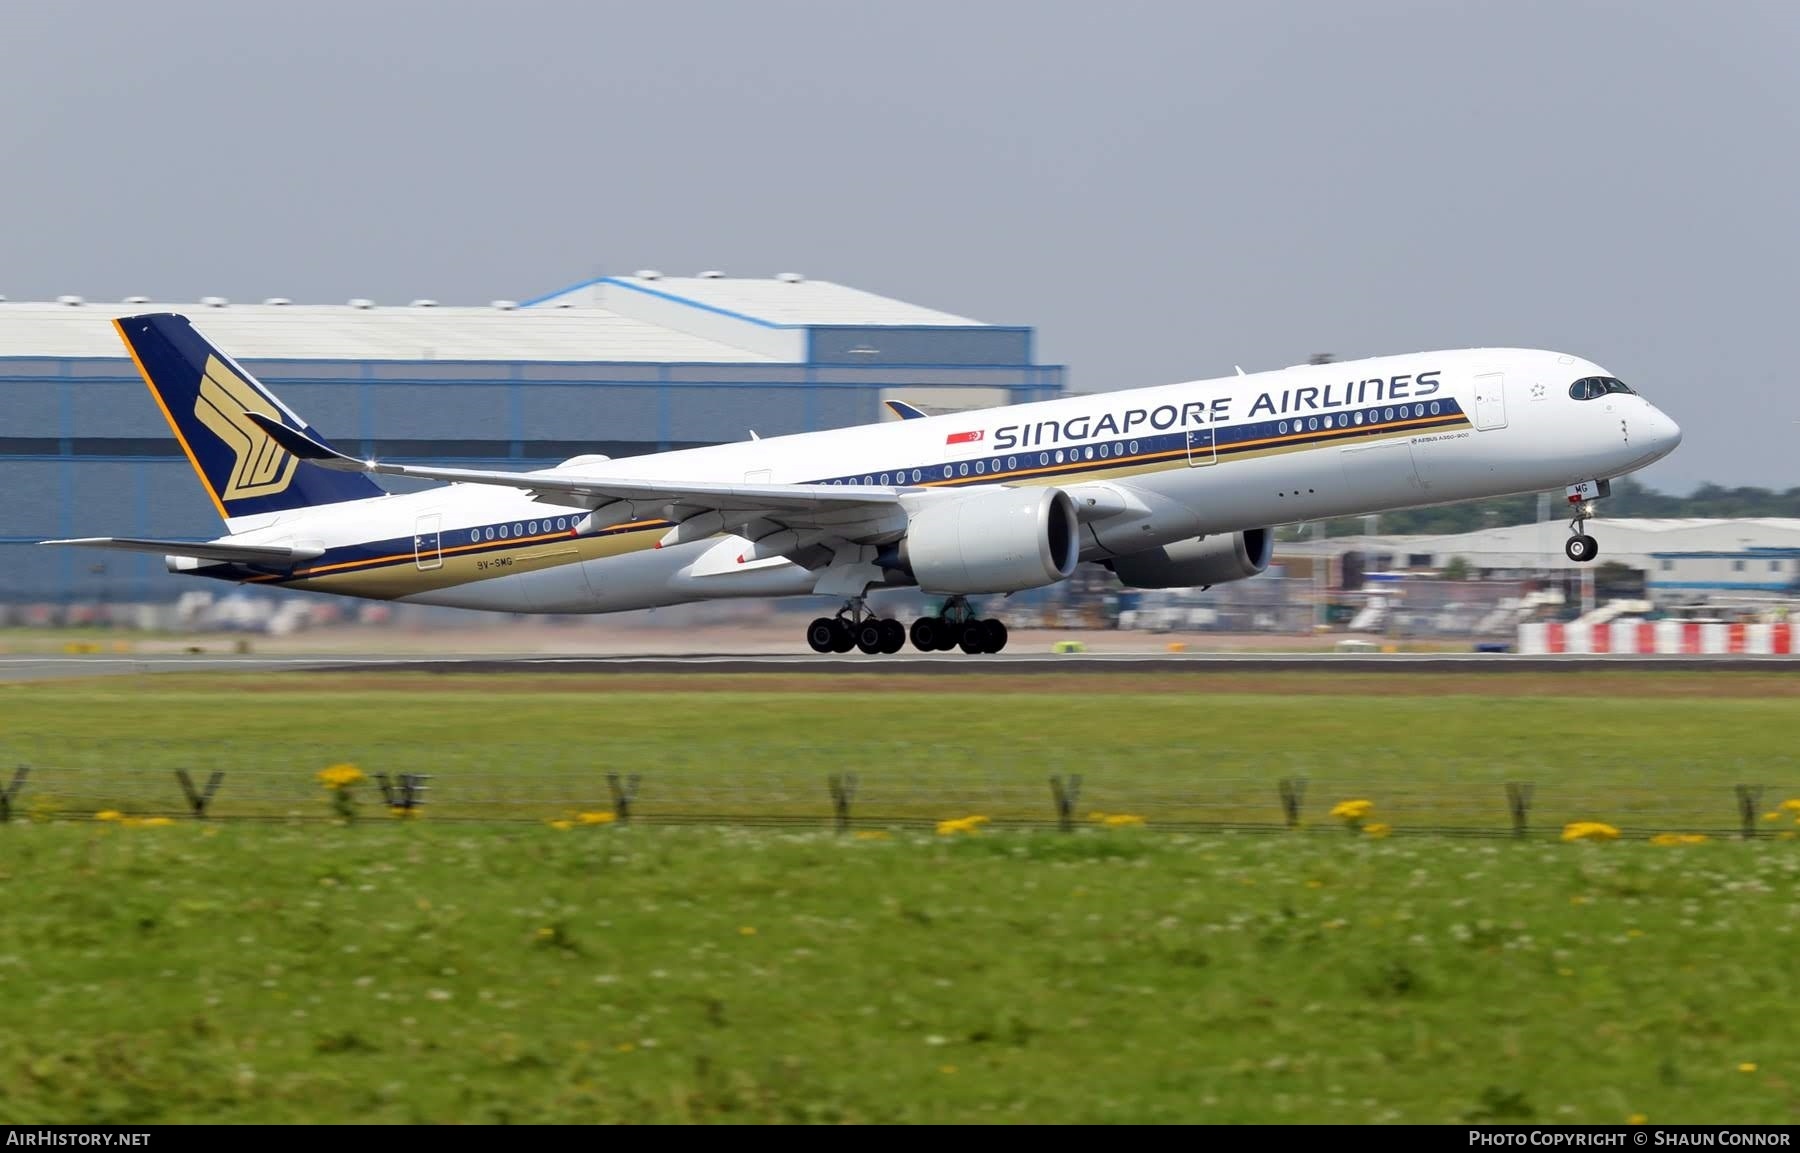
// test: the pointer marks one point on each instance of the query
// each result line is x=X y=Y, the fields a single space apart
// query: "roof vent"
x=277 y=301
x=789 y=277
x=422 y=303
x=68 y=300
x=506 y=305
x=137 y=300
x=712 y=274
x=648 y=274
x=213 y=301
x=360 y=302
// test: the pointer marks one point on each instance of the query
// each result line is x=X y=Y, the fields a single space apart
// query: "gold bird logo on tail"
x=263 y=468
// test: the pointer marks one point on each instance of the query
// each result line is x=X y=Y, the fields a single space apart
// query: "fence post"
x=1293 y=790
x=842 y=790
x=12 y=790
x=199 y=799
x=623 y=795
x=1749 y=800
x=1066 y=797
x=1518 y=802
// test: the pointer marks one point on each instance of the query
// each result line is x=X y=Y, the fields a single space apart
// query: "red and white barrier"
x=1632 y=636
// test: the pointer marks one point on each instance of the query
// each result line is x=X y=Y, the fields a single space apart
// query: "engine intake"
x=1198 y=563
x=1002 y=540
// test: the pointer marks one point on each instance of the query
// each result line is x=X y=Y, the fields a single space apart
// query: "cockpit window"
x=1590 y=387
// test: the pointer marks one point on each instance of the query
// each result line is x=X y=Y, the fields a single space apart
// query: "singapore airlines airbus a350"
x=1168 y=487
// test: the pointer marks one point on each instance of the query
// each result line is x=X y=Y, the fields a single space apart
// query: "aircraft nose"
x=1661 y=432
x=1664 y=431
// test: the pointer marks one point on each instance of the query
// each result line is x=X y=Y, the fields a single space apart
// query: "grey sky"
x=1163 y=190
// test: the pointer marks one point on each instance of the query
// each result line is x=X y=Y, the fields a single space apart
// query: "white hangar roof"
x=640 y=318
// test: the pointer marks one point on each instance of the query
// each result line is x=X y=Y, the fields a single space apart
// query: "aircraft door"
x=1202 y=447
x=428 y=546
x=1490 y=400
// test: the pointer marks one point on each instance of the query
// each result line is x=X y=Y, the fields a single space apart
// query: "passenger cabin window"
x=1593 y=387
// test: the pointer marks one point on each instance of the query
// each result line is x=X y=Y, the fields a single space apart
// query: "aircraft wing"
x=595 y=492
x=202 y=550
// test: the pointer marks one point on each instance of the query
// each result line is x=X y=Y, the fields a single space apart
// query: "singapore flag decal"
x=963 y=437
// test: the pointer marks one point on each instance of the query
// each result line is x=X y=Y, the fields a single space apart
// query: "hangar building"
x=620 y=365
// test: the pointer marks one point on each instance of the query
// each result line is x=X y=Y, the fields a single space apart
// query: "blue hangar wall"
x=84 y=451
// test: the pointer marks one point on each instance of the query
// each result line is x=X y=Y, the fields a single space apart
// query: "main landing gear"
x=958 y=627
x=1581 y=547
x=856 y=627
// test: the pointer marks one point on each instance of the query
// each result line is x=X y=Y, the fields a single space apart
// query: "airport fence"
x=895 y=784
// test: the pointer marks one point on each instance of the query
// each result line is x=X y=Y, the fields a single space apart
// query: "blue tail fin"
x=204 y=394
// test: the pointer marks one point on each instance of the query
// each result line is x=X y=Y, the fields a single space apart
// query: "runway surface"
x=45 y=667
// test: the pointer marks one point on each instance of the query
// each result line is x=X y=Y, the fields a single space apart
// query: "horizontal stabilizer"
x=202 y=550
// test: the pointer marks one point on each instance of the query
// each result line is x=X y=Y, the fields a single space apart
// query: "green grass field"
x=420 y=973
x=1648 y=752
x=495 y=960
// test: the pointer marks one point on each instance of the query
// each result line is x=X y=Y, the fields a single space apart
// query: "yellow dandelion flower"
x=946 y=1069
x=747 y=930
x=626 y=1047
x=1637 y=1119
x=1747 y=1067
x=562 y=824
x=545 y=933
x=1352 y=810
x=340 y=776
x=109 y=815
x=1589 y=831
x=1772 y=816
x=1119 y=820
x=1791 y=805
x=1378 y=830
x=404 y=813
x=156 y=822
x=1678 y=839
x=871 y=835
x=602 y=818
x=960 y=825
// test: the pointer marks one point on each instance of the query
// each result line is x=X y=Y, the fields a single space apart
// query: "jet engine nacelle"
x=1198 y=563
x=999 y=541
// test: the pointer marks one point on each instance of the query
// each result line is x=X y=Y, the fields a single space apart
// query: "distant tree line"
x=1629 y=499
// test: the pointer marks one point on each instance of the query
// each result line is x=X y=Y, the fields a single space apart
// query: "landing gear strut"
x=856 y=627
x=958 y=627
x=1581 y=547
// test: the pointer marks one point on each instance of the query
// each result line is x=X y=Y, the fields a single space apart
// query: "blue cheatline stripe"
x=1170 y=446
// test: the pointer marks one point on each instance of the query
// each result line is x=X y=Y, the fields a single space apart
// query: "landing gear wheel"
x=993 y=633
x=973 y=639
x=949 y=634
x=841 y=640
x=1581 y=548
x=925 y=634
x=820 y=634
x=893 y=636
x=869 y=636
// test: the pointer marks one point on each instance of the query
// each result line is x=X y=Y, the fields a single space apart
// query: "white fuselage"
x=1176 y=462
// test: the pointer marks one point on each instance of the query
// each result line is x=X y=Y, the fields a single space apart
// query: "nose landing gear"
x=1581 y=547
